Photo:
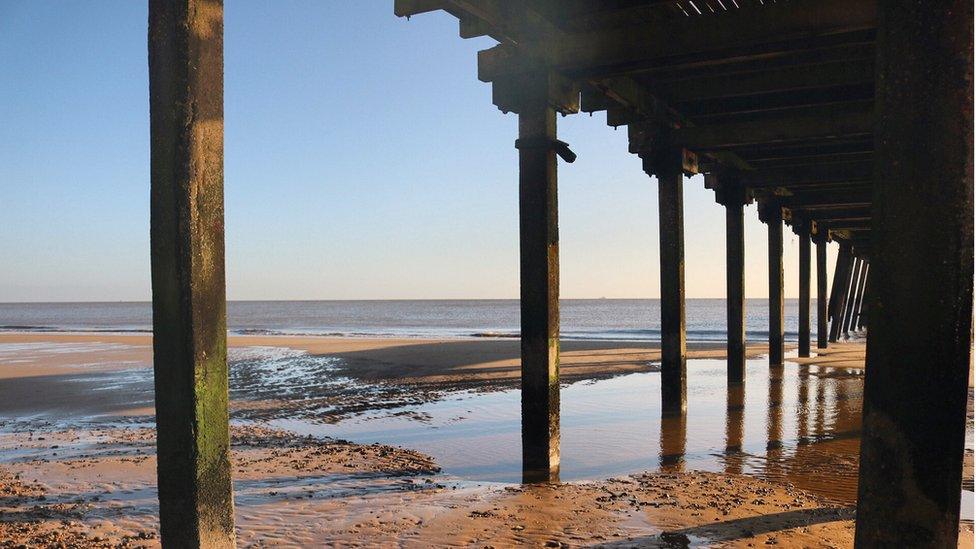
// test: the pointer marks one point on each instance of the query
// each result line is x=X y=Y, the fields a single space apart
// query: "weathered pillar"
x=821 y=241
x=772 y=215
x=920 y=329
x=802 y=229
x=851 y=297
x=539 y=275
x=730 y=193
x=187 y=244
x=667 y=166
x=842 y=278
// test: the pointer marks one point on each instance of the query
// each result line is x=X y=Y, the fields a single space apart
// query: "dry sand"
x=71 y=487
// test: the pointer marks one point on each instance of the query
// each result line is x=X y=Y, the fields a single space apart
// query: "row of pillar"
x=919 y=359
x=847 y=304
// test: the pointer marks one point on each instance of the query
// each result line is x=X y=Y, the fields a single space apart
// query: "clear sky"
x=363 y=159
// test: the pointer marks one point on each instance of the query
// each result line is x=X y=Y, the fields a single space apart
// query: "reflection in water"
x=734 y=415
x=674 y=438
x=792 y=424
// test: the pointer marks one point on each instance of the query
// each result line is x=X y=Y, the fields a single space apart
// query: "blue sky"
x=363 y=159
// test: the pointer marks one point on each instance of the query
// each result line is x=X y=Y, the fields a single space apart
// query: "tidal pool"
x=795 y=424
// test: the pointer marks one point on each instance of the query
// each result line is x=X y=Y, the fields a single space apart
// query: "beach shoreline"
x=94 y=486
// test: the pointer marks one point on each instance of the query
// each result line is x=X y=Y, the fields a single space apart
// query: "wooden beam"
x=758 y=82
x=827 y=198
x=186 y=126
x=627 y=48
x=773 y=130
x=408 y=8
x=812 y=174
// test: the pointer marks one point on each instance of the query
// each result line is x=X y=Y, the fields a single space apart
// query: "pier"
x=848 y=121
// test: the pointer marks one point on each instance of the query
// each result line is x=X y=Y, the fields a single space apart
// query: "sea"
x=580 y=319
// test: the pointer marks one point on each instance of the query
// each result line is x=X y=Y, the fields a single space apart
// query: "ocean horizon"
x=581 y=319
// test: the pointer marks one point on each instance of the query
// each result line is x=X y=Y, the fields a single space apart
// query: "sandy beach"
x=77 y=464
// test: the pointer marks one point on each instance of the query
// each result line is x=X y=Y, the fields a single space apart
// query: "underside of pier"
x=848 y=120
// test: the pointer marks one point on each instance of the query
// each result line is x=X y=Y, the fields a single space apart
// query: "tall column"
x=730 y=193
x=842 y=278
x=772 y=214
x=802 y=228
x=187 y=259
x=920 y=328
x=539 y=275
x=821 y=290
x=851 y=297
x=667 y=166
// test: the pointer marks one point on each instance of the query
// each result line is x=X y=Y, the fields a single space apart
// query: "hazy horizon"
x=376 y=172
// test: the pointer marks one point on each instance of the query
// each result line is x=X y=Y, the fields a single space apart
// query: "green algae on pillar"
x=539 y=276
x=187 y=251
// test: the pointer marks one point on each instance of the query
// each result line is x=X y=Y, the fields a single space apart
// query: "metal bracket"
x=560 y=147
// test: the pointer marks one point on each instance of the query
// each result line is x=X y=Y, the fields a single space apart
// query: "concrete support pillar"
x=838 y=290
x=851 y=297
x=920 y=328
x=821 y=290
x=539 y=275
x=802 y=229
x=667 y=166
x=187 y=259
x=731 y=194
x=772 y=214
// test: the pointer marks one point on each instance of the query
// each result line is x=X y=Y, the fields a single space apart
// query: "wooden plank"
x=408 y=8
x=758 y=82
x=818 y=173
x=776 y=130
x=602 y=52
x=196 y=507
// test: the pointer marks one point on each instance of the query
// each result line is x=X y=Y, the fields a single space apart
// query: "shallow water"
x=792 y=424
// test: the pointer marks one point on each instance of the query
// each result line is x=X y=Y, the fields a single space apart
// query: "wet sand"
x=90 y=483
